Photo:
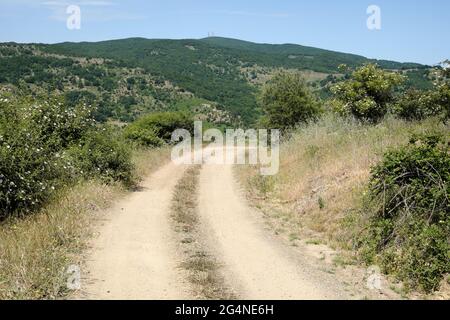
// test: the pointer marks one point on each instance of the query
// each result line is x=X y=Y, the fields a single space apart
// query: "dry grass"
x=324 y=168
x=148 y=160
x=201 y=266
x=36 y=251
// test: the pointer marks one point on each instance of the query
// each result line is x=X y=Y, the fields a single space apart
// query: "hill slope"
x=302 y=57
x=225 y=71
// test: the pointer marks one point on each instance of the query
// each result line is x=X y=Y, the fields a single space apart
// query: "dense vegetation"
x=408 y=208
x=223 y=70
x=367 y=94
x=116 y=92
x=46 y=146
x=55 y=101
x=192 y=65
x=287 y=101
x=418 y=105
x=155 y=130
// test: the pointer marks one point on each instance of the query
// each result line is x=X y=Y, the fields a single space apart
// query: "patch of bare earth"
x=256 y=264
x=132 y=256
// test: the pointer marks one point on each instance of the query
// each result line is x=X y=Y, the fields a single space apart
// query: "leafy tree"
x=286 y=101
x=367 y=94
x=127 y=101
x=418 y=105
x=443 y=90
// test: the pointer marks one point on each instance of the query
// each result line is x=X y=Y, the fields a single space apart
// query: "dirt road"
x=134 y=256
x=257 y=266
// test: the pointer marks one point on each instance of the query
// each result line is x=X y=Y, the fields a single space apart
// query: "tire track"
x=257 y=266
x=133 y=256
x=201 y=267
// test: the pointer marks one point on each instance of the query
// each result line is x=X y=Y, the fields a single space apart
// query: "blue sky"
x=411 y=30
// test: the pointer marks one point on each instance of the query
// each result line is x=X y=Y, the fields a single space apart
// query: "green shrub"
x=104 y=154
x=143 y=136
x=443 y=98
x=287 y=101
x=45 y=145
x=409 y=207
x=32 y=162
x=29 y=173
x=156 y=129
x=418 y=105
x=366 y=94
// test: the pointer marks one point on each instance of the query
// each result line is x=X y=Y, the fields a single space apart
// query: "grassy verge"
x=147 y=161
x=36 y=251
x=201 y=266
x=324 y=170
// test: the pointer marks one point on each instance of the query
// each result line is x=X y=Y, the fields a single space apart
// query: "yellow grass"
x=148 y=160
x=324 y=168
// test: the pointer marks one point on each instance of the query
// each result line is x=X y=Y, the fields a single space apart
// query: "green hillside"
x=118 y=92
x=300 y=57
x=224 y=71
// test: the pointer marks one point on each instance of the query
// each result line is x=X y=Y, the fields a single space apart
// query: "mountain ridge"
x=217 y=39
x=225 y=71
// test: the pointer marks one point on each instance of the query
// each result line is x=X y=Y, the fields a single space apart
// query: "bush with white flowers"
x=35 y=137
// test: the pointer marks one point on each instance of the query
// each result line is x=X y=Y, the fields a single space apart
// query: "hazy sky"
x=411 y=30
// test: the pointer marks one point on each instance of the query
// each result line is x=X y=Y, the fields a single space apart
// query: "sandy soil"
x=134 y=255
x=257 y=266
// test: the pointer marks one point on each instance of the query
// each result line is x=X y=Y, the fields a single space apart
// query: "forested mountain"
x=300 y=57
x=133 y=76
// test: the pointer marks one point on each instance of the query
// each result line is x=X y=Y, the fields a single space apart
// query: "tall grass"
x=324 y=168
x=36 y=250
